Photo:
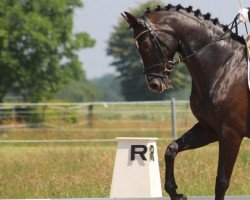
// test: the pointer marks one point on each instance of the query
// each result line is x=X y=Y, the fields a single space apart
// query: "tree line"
x=39 y=60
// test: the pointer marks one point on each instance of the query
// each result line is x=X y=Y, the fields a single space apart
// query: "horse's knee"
x=222 y=185
x=171 y=151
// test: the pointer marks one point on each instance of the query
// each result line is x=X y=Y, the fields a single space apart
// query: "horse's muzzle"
x=159 y=84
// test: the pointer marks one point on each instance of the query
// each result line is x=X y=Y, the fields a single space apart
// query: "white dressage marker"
x=136 y=172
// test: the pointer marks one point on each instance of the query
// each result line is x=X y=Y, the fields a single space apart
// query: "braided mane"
x=197 y=13
x=189 y=9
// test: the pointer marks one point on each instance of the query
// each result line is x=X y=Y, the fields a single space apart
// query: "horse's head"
x=157 y=47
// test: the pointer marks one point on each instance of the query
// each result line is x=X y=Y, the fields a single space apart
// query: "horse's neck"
x=194 y=35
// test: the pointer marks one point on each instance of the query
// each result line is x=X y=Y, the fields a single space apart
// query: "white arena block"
x=136 y=171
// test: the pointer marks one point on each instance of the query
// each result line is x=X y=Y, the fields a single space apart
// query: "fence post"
x=173 y=109
x=43 y=114
x=90 y=115
x=14 y=116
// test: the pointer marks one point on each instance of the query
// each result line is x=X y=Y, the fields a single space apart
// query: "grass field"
x=85 y=170
x=77 y=170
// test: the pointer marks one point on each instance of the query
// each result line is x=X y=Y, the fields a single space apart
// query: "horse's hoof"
x=179 y=197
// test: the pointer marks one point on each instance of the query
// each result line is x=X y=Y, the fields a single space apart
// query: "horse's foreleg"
x=196 y=137
x=229 y=145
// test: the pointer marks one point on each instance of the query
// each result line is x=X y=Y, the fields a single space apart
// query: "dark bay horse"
x=217 y=62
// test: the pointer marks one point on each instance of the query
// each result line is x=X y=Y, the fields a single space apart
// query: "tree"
x=81 y=90
x=127 y=62
x=108 y=88
x=38 y=51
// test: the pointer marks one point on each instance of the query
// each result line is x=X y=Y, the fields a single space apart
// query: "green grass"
x=63 y=170
x=55 y=170
x=101 y=134
x=85 y=170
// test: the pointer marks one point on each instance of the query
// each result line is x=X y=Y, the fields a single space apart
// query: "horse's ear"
x=132 y=20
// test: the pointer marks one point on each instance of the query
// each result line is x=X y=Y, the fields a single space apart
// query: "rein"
x=165 y=63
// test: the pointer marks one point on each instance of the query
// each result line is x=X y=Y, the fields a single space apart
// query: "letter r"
x=138 y=149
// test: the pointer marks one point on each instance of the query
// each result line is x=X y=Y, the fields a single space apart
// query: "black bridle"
x=164 y=63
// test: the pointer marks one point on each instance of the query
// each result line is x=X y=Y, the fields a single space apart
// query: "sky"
x=98 y=17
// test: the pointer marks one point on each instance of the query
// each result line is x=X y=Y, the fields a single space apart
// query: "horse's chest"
x=199 y=109
x=232 y=115
x=205 y=111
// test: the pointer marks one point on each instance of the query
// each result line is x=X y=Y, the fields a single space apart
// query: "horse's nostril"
x=154 y=86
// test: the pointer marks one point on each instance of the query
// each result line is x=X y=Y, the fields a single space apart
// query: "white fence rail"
x=161 y=116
